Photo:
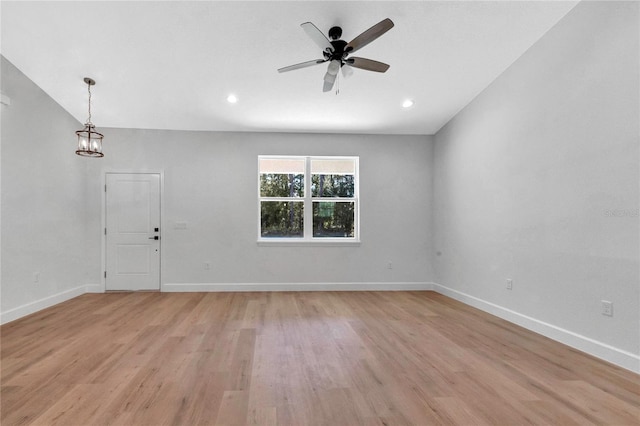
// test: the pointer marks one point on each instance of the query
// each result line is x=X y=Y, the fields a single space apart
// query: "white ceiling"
x=171 y=64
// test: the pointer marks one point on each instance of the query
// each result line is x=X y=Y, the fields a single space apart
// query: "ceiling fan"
x=336 y=51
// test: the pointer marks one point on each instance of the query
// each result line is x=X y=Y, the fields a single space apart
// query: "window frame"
x=308 y=201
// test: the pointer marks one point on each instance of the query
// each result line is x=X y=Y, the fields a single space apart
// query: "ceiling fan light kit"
x=337 y=51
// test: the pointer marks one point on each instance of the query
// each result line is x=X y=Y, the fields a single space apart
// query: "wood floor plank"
x=307 y=358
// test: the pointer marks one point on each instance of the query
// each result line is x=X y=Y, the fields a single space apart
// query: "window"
x=308 y=198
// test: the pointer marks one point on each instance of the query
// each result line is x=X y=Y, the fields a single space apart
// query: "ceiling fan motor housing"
x=339 y=52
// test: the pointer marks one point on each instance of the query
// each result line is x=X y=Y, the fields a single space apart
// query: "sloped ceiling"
x=172 y=64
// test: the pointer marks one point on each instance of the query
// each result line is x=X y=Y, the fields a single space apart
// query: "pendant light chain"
x=89 y=90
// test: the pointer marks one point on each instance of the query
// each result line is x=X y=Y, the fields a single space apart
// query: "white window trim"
x=307 y=199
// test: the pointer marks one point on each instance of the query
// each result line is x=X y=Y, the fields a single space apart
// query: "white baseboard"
x=94 y=288
x=593 y=347
x=384 y=286
x=38 y=305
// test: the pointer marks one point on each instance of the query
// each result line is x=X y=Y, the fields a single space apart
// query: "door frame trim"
x=103 y=222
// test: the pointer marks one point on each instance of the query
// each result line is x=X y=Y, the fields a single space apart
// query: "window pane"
x=281 y=185
x=333 y=166
x=332 y=186
x=281 y=219
x=333 y=219
x=282 y=165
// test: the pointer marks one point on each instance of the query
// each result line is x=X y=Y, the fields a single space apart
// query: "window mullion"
x=308 y=206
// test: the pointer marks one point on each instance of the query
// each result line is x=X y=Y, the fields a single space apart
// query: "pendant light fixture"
x=89 y=141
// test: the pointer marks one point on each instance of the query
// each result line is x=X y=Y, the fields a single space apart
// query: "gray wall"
x=210 y=182
x=43 y=198
x=537 y=180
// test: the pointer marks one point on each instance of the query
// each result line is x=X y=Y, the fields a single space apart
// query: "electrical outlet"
x=509 y=284
x=36 y=277
x=390 y=265
x=207 y=265
x=607 y=308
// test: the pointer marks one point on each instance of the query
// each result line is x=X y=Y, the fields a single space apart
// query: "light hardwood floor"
x=309 y=358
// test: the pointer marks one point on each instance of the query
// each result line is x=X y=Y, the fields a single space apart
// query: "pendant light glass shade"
x=89 y=141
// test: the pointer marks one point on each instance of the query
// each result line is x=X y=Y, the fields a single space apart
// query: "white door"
x=132 y=231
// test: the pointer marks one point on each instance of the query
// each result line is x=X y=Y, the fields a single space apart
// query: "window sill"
x=326 y=242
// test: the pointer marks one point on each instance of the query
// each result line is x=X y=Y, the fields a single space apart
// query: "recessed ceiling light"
x=408 y=103
x=232 y=99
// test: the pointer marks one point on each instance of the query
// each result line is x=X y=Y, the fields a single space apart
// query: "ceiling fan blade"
x=368 y=36
x=302 y=65
x=317 y=36
x=367 y=64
